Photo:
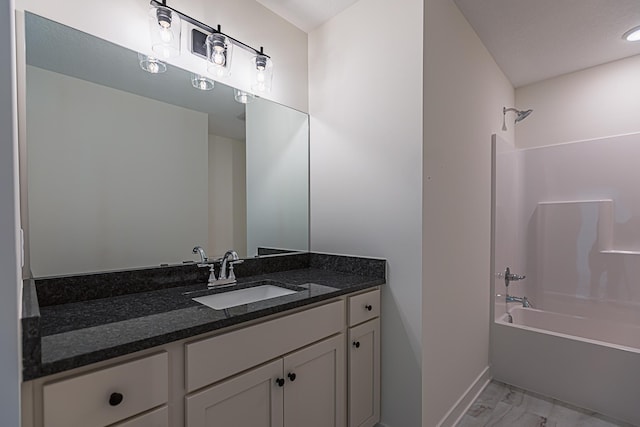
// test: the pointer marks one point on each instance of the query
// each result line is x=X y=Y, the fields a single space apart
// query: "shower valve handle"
x=511 y=277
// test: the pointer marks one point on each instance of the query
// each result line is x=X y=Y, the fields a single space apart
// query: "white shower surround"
x=580 y=217
x=568 y=216
x=565 y=216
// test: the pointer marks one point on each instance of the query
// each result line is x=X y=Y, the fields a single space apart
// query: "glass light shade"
x=219 y=54
x=243 y=97
x=165 y=30
x=201 y=82
x=151 y=65
x=262 y=67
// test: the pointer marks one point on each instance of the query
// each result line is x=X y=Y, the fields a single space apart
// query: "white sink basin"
x=243 y=296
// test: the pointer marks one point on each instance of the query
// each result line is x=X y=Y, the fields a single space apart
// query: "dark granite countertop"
x=70 y=333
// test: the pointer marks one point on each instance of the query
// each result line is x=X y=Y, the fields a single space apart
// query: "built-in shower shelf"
x=613 y=251
x=598 y=212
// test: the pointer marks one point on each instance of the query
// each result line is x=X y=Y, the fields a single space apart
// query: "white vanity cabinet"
x=364 y=359
x=305 y=388
x=316 y=366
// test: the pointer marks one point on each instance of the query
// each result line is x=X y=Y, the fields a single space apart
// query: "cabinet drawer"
x=364 y=307
x=157 y=418
x=84 y=401
x=213 y=359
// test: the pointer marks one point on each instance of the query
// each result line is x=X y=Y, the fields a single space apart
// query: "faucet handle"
x=511 y=277
x=232 y=275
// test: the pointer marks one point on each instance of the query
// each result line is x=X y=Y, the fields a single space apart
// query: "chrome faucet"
x=203 y=254
x=511 y=277
x=227 y=262
x=524 y=300
x=232 y=258
x=206 y=263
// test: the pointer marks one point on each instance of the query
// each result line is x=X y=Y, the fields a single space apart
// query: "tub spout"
x=523 y=300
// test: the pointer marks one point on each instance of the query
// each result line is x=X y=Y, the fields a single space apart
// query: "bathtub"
x=593 y=364
x=599 y=332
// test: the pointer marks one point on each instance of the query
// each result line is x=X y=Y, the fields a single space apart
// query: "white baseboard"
x=458 y=410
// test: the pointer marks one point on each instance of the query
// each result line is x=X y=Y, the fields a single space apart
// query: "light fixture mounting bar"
x=209 y=30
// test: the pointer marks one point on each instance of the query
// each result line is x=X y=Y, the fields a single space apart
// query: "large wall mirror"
x=128 y=169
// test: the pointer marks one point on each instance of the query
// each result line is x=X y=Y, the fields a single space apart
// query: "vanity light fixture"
x=633 y=35
x=151 y=65
x=243 y=97
x=165 y=30
x=207 y=42
x=201 y=82
x=219 y=50
x=262 y=72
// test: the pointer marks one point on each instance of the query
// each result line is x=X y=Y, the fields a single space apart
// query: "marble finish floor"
x=502 y=405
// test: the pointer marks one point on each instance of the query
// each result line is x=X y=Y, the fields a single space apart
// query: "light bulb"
x=153 y=67
x=218 y=57
x=166 y=35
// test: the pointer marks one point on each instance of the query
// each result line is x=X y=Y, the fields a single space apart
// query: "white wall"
x=227 y=196
x=124 y=22
x=9 y=262
x=464 y=92
x=103 y=207
x=366 y=180
x=593 y=103
x=277 y=177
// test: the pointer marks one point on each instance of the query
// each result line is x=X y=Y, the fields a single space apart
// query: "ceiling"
x=531 y=40
x=307 y=14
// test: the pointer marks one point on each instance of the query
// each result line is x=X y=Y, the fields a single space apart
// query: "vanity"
x=158 y=358
x=123 y=171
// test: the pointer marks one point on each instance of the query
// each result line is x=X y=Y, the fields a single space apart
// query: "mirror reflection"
x=129 y=169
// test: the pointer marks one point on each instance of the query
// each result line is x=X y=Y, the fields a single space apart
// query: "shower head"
x=523 y=115
x=520 y=115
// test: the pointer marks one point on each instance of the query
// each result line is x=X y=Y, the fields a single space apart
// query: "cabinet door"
x=251 y=399
x=314 y=393
x=364 y=374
